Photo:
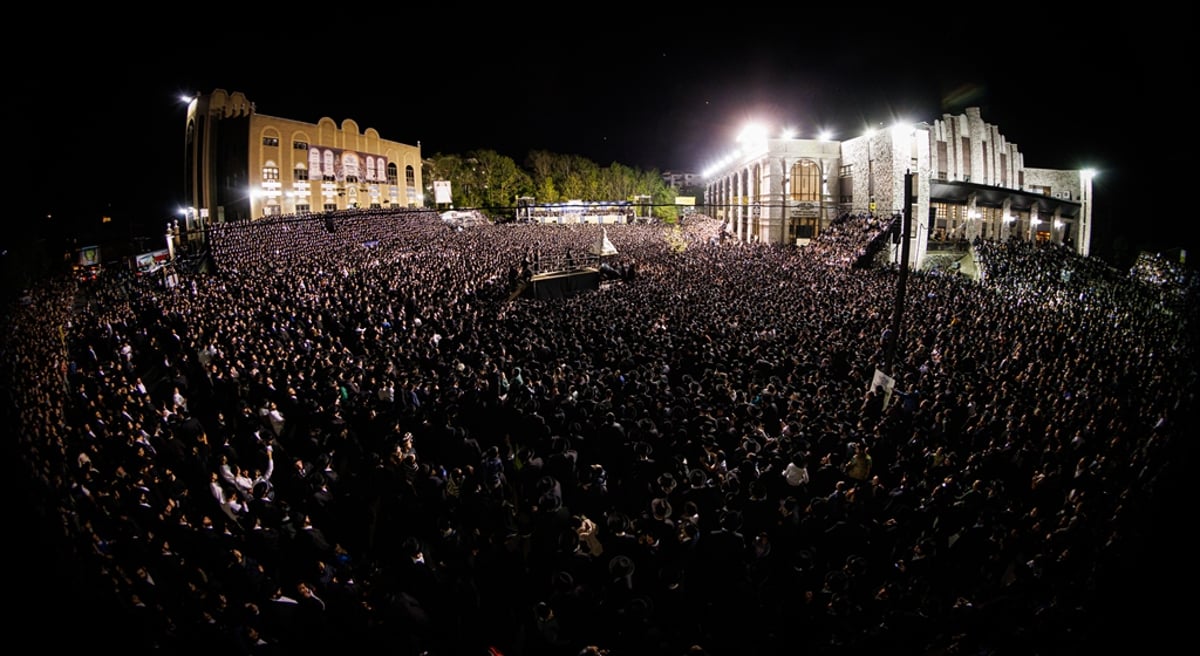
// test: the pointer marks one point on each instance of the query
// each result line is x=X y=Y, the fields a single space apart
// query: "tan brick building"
x=243 y=165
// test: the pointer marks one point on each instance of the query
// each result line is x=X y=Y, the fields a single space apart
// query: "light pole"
x=902 y=280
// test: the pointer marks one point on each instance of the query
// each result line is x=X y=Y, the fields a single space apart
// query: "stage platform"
x=561 y=284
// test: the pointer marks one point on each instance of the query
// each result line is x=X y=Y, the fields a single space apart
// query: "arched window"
x=806 y=181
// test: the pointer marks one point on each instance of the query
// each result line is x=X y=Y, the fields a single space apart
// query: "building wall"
x=1068 y=185
x=753 y=194
x=228 y=151
x=955 y=148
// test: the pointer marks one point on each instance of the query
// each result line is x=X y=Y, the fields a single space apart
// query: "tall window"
x=410 y=181
x=392 y=176
x=806 y=181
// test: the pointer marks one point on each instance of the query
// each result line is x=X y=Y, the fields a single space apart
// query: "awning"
x=958 y=193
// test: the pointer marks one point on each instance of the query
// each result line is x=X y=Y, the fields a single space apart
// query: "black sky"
x=109 y=120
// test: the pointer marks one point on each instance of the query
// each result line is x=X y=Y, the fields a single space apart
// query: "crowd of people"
x=348 y=436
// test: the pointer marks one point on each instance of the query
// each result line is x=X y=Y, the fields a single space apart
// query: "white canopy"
x=602 y=246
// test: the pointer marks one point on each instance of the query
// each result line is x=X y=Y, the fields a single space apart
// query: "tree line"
x=491 y=182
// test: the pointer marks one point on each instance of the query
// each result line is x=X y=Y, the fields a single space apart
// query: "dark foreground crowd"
x=348 y=437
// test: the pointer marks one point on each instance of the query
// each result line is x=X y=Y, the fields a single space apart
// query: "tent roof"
x=602 y=246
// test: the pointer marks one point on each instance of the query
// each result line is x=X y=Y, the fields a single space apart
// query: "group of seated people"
x=354 y=439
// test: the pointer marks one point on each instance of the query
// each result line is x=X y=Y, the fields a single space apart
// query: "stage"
x=561 y=284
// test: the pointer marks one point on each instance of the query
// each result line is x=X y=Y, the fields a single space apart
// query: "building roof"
x=941 y=191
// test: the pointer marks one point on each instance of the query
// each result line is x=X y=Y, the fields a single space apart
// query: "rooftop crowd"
x=348 y=436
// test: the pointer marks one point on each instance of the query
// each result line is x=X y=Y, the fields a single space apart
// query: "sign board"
x=441 y=191
x=89 y=256
x=885 y=381
x=806 y=210
x=153 y=259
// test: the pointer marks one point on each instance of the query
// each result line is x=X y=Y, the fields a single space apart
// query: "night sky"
x=109 y=118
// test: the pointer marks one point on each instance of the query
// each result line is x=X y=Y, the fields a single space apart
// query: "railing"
x=565 y=263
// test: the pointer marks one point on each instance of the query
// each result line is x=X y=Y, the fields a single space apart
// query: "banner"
x=441 y=191
x=89 y=256
x=153 y=260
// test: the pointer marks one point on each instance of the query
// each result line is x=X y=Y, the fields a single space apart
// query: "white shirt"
x=795 y=475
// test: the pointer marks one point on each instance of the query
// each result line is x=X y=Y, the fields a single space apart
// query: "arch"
x=269 y=137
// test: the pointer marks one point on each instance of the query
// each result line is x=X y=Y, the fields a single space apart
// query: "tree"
x=500 y=180
x=486 y=180
x=546 y=191
x=541 y=165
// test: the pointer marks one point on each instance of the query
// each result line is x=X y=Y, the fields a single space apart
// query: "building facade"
x=968 y=181
x=242 y=165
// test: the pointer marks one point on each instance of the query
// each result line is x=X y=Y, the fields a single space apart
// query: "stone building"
x=240 y=164
x=968 y=181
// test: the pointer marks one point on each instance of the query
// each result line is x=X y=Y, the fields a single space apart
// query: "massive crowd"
x=348 y=436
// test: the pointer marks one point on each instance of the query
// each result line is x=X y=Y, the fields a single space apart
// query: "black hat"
x=621 y=566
